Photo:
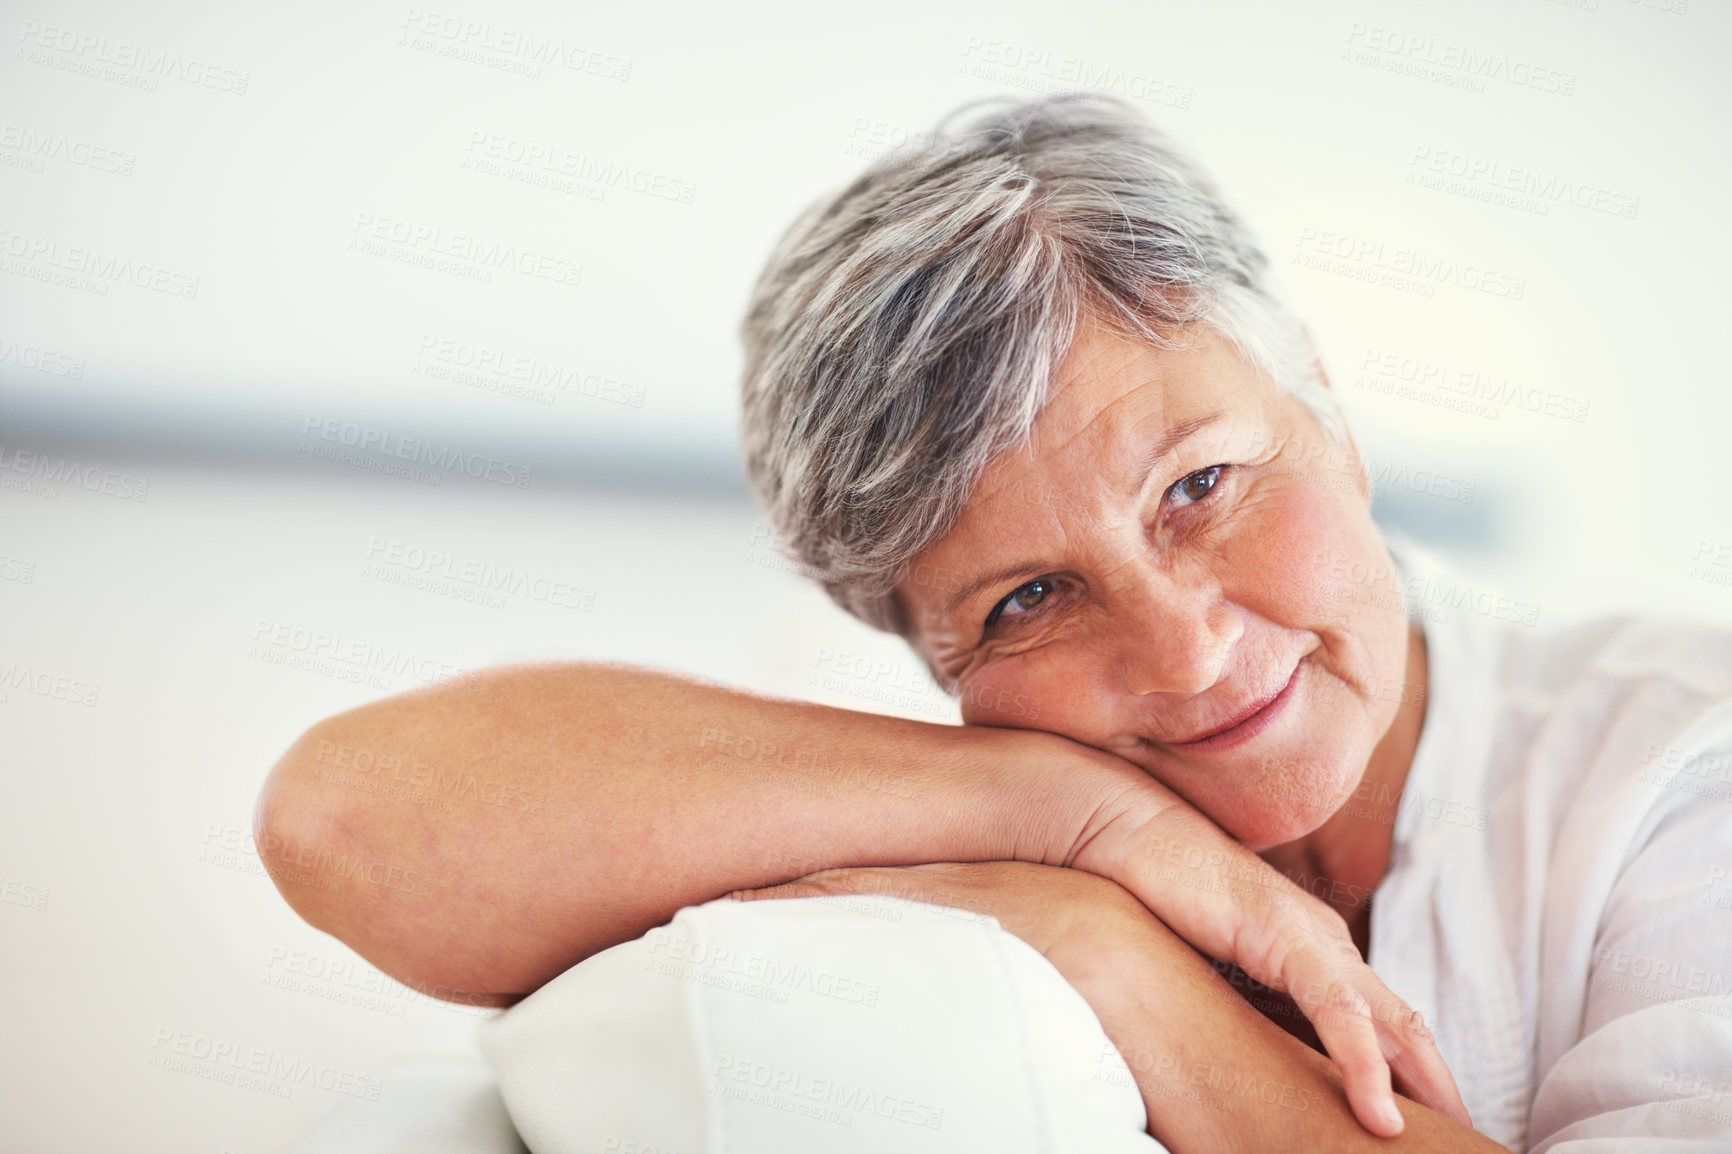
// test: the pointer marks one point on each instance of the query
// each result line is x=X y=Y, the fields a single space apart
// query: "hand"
x=1232 y=905
x=1213 y=1073
x=1078 y=921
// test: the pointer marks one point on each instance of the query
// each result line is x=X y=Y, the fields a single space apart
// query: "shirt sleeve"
x=1653 y=1068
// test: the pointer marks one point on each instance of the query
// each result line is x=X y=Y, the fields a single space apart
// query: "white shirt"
x=1559 y=898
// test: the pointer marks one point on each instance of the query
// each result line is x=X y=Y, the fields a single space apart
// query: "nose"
x=1175 y=632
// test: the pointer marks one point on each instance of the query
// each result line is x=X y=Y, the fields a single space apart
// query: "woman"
x=1029 y=399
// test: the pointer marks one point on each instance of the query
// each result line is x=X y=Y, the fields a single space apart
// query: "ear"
x=1319 y=373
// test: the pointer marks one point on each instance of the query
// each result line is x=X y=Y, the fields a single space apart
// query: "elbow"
x=332 y=859
x=298 y=828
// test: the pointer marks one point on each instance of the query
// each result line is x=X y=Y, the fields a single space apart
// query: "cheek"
x=1052 y=689
x=1299 y=531
x=1313 y=559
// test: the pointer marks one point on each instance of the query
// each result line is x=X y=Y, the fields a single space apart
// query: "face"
x=1178 y=566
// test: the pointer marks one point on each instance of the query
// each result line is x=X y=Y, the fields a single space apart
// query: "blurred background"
x=345 y=347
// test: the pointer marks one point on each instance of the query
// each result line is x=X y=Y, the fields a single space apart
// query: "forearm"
x=1217 y=1075
x=481 y=839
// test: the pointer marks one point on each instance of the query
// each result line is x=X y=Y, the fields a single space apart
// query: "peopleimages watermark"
x=230 y=848
x=31 y=149
x=562 y=170
x=870 y=139
x=346 y=658
x=1399 y=267
x=1512 y=186
x=41 y=359
x=1658 y=979
x=1702 y=773
x=1386 y=475
x=463 y=255
x=252 y=1067
x=1429 y=597
x=1712 y=562
x=293 y=862
x=1480 y=394
x=806 y=770
x=40 y=475
x=442 y=572
x=89 y=270
x=353 y=983
x=505 y=48
x=726 y=967
x=1205 y=1083
x=20 y=678
x=513 y=373
x=1695 y=1094
x=1452 y=65
x=833 y=1100
x=121 y=61
x=883 y=682
x=1018 y=66
x=406 y=778
x=383 y=451
x=1717 y=890
x=16 y=893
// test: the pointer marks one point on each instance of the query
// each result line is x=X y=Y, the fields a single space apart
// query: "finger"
x=1419 y=1069
x=1315 y=961
x=794 y=889
x=1346 y=1029
x=831 y=883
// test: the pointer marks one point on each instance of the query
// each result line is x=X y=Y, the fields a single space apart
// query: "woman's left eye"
x=1193 y=487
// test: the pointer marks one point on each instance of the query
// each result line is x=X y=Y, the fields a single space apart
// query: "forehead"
x=1114 y=399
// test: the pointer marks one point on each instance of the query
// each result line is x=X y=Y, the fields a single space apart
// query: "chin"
x=1278 y=810
x=1276 y=829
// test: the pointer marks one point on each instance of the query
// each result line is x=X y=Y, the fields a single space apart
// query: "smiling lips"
x=1255 y=718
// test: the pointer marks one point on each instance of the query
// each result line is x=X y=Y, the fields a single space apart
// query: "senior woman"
x=1028 y=398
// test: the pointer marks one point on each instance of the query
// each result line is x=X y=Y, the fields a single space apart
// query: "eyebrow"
x=1162 y=448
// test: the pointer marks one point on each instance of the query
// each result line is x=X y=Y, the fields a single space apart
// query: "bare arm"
x=475 y=840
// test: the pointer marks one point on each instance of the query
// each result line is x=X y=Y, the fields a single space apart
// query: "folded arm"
x=476 y=839
x=1214 y=1073
x=484 y=837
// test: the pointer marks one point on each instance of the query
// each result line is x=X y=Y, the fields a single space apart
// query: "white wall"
x=190 y=408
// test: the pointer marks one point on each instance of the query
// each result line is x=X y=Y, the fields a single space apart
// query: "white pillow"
x=838 y=1025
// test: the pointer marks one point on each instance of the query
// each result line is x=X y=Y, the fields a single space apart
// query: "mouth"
x=1251 y=721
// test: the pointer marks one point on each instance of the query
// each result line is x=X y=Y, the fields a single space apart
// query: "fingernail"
x=1391 y=1116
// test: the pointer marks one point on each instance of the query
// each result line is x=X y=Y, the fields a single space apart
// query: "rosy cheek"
x=1057 y=689
x=1304 y=530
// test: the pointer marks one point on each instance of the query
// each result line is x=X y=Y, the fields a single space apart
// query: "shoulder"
x=1613 y=694
x=1692 y=656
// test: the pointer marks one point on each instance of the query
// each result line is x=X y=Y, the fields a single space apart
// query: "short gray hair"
x=906 y=329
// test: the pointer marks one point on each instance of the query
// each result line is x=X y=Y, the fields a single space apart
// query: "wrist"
x=1045 y=798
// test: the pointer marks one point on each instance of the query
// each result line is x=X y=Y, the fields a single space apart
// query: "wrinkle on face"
x=1171 y=618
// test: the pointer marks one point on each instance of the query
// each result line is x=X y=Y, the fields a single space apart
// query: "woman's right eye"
x=1022 y=601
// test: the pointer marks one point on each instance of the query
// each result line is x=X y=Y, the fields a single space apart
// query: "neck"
x=1343 y=860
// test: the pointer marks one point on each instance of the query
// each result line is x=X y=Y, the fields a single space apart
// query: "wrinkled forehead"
x=1120 y=416
x=1119 y=405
